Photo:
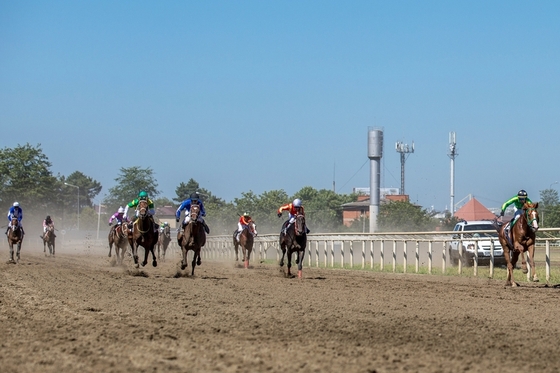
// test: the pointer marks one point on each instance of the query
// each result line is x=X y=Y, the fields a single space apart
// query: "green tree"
x=262 y=208
x=130 y=182
x=549 y=197
x=184 y=191
x=89 y=189
x=400 y=216
x=26 y=177
x=449 y=222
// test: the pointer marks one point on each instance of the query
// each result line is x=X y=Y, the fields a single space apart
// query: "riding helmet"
x=48 y=217
x=522 y=193
x=120 y=210
x=297 y=202
x=16 y=204
x=194 y=197
x=143 y=195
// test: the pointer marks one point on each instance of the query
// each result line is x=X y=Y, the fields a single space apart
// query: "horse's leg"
x=236 y=247
x=53 y=246
x=135 y=254
x=11 y=251
x=45 y=247
x=523 y=261
x=301 y=255
x=184 y=252
x=146 y=253
x=111 y=241
x=193 y=264
x=248 y=255
x=18 y=250
x=515 y=257
x=154 y=261
x=532 y=263
x=289 y=259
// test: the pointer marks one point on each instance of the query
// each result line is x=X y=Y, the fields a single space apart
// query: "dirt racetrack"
x=76 y=313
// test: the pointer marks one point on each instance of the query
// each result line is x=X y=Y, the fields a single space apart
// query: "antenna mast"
x=403 y=149
x=452 y=154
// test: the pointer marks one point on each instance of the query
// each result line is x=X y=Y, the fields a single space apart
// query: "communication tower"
x=403 y=149
x=452 y=154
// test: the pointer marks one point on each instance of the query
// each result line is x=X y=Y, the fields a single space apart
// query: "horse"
x=119 y=236
x=192 y=238
x=164 y=240
x=15 y=237
x=519 y=239
x=294 y=239
x=48 y=240
x=144 y=234
x=246 y=242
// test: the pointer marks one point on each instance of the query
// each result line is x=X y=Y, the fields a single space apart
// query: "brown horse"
x=519 y=239
x=144 y=234
x=48 y=240
x=163 y=241
x=15 y=237
x=246 y=242
x=294 y=240
x=192 y=238
x=120 y=237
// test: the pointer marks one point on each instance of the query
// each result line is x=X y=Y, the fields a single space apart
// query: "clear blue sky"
x=265 y=95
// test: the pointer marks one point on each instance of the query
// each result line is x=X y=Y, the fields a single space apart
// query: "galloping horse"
x=144 y=234
x=520 y=239
x=294 y=240
x=193 y=238
x=48 y=240
x=246 y=242
x=164 y=240
x=120 y=237
x=15 y=237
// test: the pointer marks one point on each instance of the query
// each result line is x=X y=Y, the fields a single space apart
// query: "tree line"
x=25 y=172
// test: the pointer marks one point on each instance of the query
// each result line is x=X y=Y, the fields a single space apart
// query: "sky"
x=267 y=95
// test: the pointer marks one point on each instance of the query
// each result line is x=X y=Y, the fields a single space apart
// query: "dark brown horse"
x=163 y=241
x=192 y=238
x=48 y=240
x=246 y=239
x=119 y=236
x=519 y=239
x=294 y=240
x=15 y=237
x=144 y=234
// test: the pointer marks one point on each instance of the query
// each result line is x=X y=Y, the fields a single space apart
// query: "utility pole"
x=403 y=149
x=452 y=154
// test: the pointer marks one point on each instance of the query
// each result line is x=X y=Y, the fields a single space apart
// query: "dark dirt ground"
x=77 y=313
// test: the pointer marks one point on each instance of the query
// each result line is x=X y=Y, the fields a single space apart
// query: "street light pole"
x=77 y=187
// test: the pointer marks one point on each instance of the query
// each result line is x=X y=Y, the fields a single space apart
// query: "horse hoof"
x=246 y=264
x=154 y=263
x=144 y=263
x=299 y=274
x=183 y=267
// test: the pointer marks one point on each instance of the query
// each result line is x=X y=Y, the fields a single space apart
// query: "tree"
x=400 y=216
x=549 y=197
x=184 y=191
x=130 y=182
x=549 y=208
x=26 y=177
x=89 y=189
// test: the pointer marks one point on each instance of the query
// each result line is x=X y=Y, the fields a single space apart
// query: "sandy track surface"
x=77 y=313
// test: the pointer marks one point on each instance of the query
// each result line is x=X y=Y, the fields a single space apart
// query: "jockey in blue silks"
x=186 y=205
x=15 y=212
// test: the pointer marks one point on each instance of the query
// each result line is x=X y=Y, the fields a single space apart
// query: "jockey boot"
x=7 y=229
x=22 y=232
x=206 y=229
x=307 y=231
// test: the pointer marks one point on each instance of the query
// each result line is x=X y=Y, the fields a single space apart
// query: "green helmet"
x=143 y=195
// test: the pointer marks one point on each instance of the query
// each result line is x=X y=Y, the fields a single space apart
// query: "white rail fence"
x=380 y=251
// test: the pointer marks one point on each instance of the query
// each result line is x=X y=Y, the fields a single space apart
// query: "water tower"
x=375 y=152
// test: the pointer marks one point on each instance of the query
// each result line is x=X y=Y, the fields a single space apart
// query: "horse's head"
x=532 y=215
x=142 y=208
x=167 y=231
x=300 y=225
x=195 y=211
x=253 y=228
x=15 y=223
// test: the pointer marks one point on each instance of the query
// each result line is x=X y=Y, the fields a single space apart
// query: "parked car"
x=477 y=234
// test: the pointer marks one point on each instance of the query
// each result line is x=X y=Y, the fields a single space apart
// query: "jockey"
x=142 y=196
x=46 y=224
x=15 y=212
x=162 y=226
x=244 y=222
x=119 y=217
x=518 y=201
x=293 y=209
x=186 y=205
